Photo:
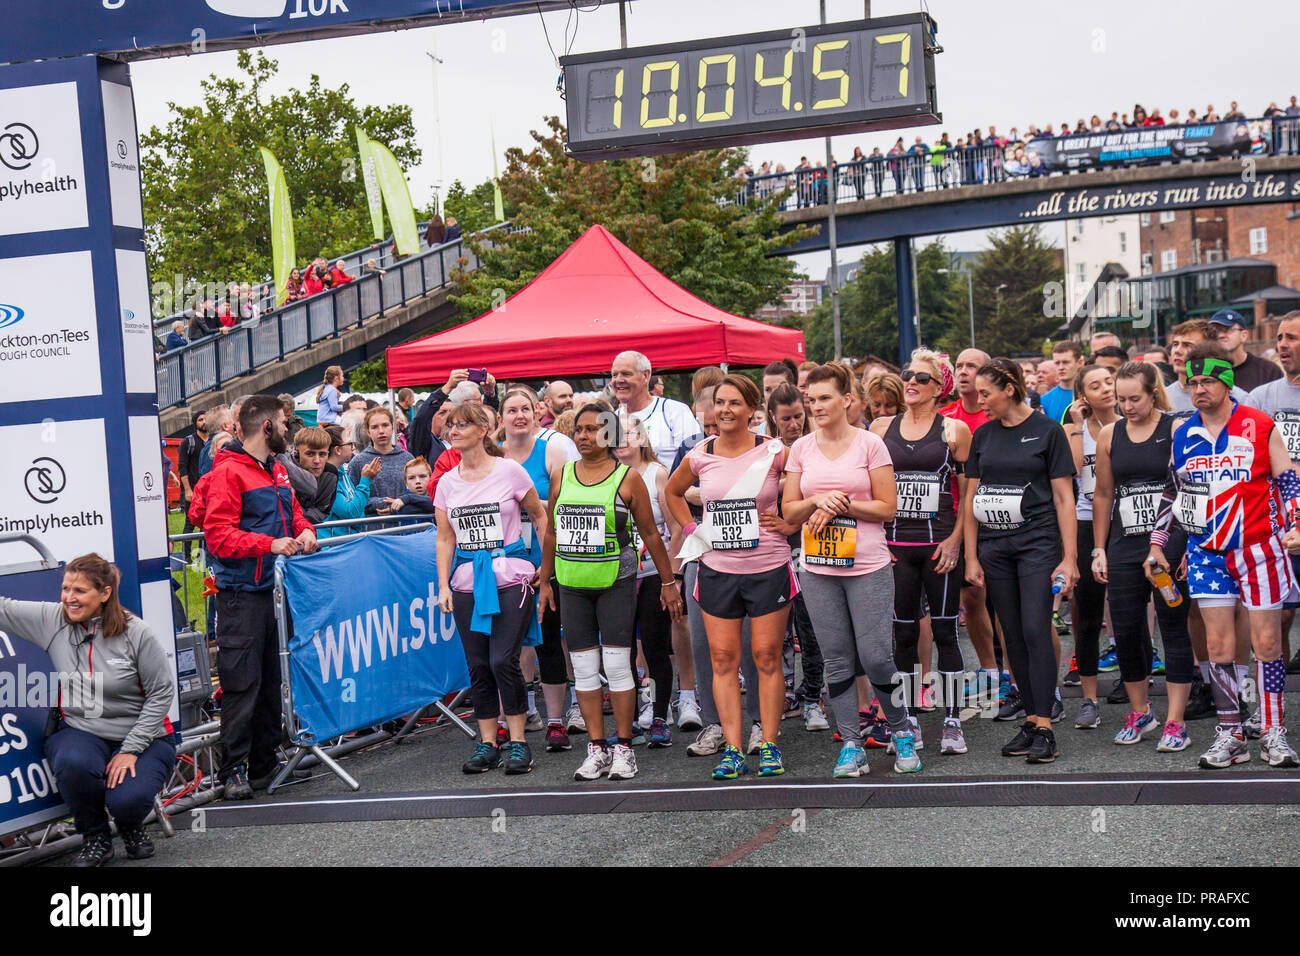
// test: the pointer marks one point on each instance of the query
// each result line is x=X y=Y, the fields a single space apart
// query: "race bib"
x=526 y=529
x=478 y=527
x=998 y=507
x=1288 y=423
x=1193 y=506
x=1088 y=476
x=918 y=494
x=732 y=524
x=1138 y=504
x=579 y=529
x=834 y=546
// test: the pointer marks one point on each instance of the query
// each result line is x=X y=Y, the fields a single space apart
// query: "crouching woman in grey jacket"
x=112 y=750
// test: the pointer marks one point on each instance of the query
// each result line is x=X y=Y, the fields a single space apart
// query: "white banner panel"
x=42 y=170
x=148 y=488
x=137 y=321
x=123 y=155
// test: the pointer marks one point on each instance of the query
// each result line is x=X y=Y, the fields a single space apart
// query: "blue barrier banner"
x=29 y=795
x=369 y=642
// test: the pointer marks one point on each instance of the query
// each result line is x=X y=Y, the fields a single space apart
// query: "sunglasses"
x=922 y=378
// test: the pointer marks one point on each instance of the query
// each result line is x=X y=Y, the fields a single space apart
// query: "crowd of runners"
x=851 y=523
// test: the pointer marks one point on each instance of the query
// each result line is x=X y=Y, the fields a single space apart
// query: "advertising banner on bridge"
x=370 y=179
x=283 y=251
x=374 y=649
x=1131 y=147
x=397 y=197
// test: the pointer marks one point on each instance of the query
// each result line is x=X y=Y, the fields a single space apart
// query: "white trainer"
x=688 y=715
x=623 y=763
x=596 y=765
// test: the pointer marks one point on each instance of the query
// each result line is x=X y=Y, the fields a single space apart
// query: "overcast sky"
x=1004 y=64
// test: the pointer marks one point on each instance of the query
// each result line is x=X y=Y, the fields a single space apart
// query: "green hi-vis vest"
x=588 y=538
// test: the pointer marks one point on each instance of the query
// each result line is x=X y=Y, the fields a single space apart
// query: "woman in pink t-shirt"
x=840 y=486
x=485 y=579
x=745 y=568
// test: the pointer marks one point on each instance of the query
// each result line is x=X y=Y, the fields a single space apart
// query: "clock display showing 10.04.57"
x=873 y=74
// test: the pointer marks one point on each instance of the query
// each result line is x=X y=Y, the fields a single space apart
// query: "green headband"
x=1215 y=368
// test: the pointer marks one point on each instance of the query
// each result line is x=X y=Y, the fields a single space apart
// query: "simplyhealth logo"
x=10 y=315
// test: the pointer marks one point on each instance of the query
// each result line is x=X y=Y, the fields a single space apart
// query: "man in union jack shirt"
x=1232 y=486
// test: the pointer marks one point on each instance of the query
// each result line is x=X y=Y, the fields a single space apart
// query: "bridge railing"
x=875 y=177
x=210 y=362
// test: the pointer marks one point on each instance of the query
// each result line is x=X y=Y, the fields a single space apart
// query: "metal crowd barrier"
x=208 y=363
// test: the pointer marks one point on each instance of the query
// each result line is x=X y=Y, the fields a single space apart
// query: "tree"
x=205 y=195
x=677 y=212
x=473 y=208
x=1014 y=319
x=869 y=307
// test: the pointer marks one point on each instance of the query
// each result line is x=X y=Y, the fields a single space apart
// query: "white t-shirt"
x=566 y=444
x=668 y=423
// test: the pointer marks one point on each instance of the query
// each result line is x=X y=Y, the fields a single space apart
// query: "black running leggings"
x=1088 y=602
x=654 y=627
x=1018 y=576
x=914 y=572
x=1129 y=593
x=494 y=658
x=551 y=664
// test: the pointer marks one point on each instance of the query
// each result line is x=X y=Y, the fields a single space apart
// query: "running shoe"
x=534 y=723
x=878 y=734
x=1005 y=687
x=660 y=734
x=519 y=758
x=486 y=757
x=646 y=712
x=1136 y=726
x=503 y=735
x=866 y=718
x=1226 y=750
x=573 y=722
x=1019 y=745
x=1252 y=726
x=1058 y=710
x=769 y=760
x=1109 y=660
x=731 y=766
x=1072 y=676
x=96 y=850
x=1118 y=693
x=1013 y=708
x=136 y=842
x=953 y=740
x=1157 y=665
x=688 y=715
x=622 y=764
x=755 y=738
x=907 y=761
x=917 y=742
x=1200 y=702
x=1043 y=749
x=596 y=765
x=852 y=762
x=927 y=700
x=814 y=718
x=557 y=739
x=1061 y=624
x=710 y=740
x=1174 y=738
x=1276 y=750
x=1089 y=715
x=792 y=708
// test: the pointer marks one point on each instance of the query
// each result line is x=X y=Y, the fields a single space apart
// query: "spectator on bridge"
x=435 y=234
x=856 y=171
x=1210 y=116
x=1273 y=110
x=350 y=499
x=1192 y=117
x=249 y=513
x=1155 y=119
x=111 y=749
x=317 y=279
x=877 y=170
x=1294 y=108
x=1233 y=115
x=313 y=484
x=937 y=168
x=390 y=482
x=204 y=322
x=176 y=337
x=1113 y=124
x=917 y=160
x=219 y=421
x=295 y=288
x=328 y=403
x=453 y=230
x=896 y=165
x=372 y=268
x=227 y=318
x=338 y=273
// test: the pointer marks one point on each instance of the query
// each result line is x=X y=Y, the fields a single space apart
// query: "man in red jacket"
x=248 y=513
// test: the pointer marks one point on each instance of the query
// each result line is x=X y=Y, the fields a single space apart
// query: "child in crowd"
x=415 y=500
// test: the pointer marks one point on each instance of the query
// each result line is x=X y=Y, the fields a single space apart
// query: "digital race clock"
x=822 y=80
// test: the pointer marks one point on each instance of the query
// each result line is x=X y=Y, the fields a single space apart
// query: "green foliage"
x=1015 y=320
x=473 y=208
x=869 y=307
x=665 y=208
x=205 y=194
x=370 y=376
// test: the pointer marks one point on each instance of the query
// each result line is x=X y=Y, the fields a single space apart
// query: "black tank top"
x=1140 y=471
x=923 y=474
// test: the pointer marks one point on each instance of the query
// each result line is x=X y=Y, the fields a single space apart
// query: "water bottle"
x=1165 y=584
x=1058 y=583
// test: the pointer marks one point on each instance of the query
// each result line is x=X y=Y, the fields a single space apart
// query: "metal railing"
x=875 y=177
x=210 y=362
